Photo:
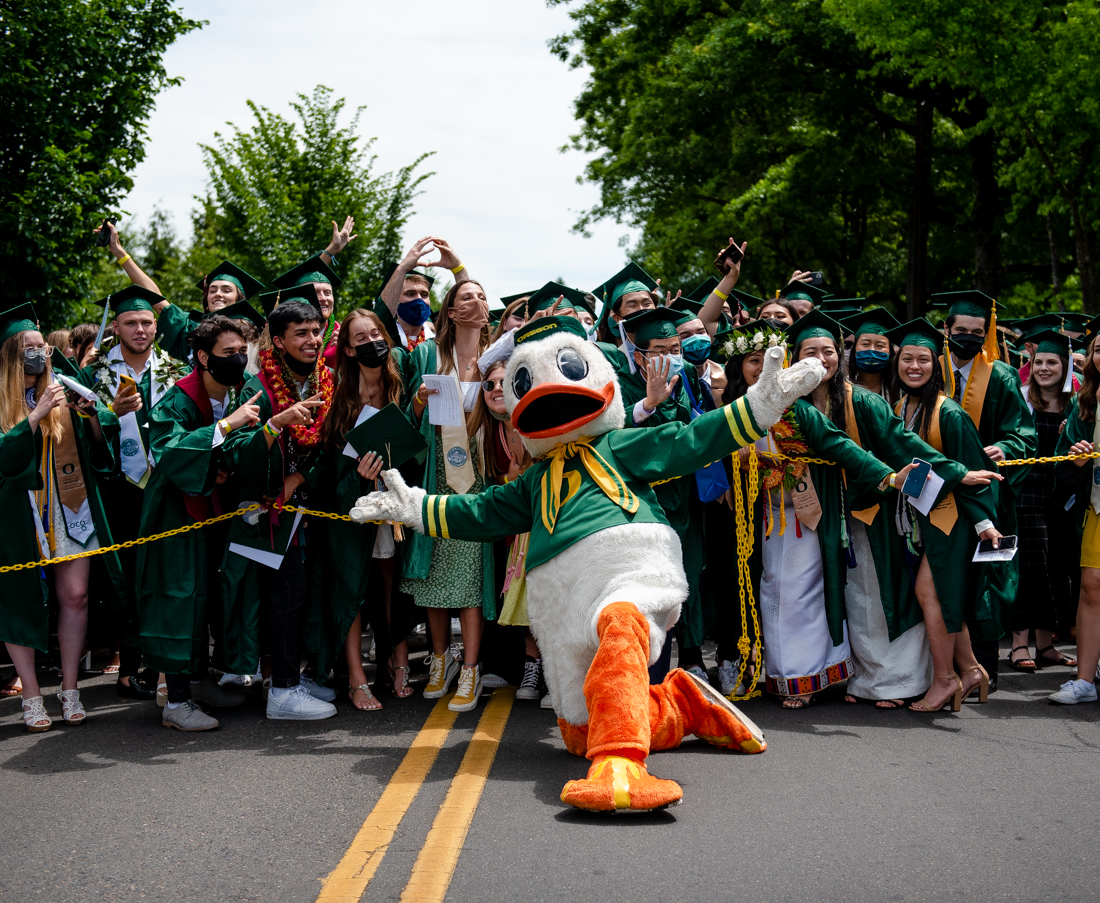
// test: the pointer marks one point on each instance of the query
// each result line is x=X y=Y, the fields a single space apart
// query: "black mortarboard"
x=389 y=435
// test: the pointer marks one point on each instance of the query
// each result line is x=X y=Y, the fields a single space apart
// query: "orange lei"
x=789 y=442
x=279 y=381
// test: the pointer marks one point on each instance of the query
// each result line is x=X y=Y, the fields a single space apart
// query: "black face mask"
x=228 y=370
x=302 y=368
x=966 y=346
x=372 y=354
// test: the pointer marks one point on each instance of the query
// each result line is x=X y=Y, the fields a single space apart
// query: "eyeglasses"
x=491 y=385
x=48 y=348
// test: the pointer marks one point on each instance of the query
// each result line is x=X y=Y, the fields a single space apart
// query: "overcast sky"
x=472 y=81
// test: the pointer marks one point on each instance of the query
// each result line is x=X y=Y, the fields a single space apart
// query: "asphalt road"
x=848 y=803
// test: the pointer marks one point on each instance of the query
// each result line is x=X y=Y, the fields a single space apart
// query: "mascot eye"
x=521 y=382
x=572 y=365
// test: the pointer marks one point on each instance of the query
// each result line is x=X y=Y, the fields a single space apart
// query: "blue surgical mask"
x=414 y=312
x=871 y=361
x=591 y=332
x=676 y=364
x=696 y=348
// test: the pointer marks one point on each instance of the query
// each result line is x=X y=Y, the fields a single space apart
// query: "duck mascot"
x=605 y=579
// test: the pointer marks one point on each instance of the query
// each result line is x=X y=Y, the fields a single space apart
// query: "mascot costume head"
x=605 y=576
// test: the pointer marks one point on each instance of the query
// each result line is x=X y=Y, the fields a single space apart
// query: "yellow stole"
x=867 y=515
x=976 y=386
x=944 y=515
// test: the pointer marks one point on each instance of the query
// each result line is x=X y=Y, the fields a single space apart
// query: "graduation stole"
x=867 y=515
x=605 y=476
x=944 y=515
x=201 y=507
x=976 y=386
x=61 y=471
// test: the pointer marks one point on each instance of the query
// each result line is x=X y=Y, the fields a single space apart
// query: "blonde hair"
x=13 y=392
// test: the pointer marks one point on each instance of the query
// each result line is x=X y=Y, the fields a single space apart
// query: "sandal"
x=1042 y=660
x=852 y=700
x=888 y=705
x=982 y=686
x=365 y=688
x=71 y=708
x=13 y=687
x=797 y=702
x=400 y=676
x=1022 y=664
x=34 y=715
x=162 y=694
x=955 y=699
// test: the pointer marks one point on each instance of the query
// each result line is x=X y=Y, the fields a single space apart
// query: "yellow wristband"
x=720 y=295
x=225 y=427
x=124 y=259
x=458 y=269
x=893 y=477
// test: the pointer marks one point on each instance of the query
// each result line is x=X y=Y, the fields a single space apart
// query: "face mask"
x=300 y=367
x=34 y=361
x=229 y=370
x=499 y=415
x=472 y=313
x=966 y=346
x=676 y=362
x=372 y=354
x=696 y=348
x=414 y=312
x=870 y=361
x=590 y=331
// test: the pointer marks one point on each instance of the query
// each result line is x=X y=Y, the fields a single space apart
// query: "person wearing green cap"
x=198 y=475
x=988 y=390
x=629 y=291
x=870 y=361
x=953 y=593
x=53 y=449
x=1044 y=600
x=801 y=293
x=406 y=294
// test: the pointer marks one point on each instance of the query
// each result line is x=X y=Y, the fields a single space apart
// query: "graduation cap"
x=131 y=298
x=1049 y=341
x=544 y=298
x=389 y=435
x=312 y=270
x=814 y=325
x=702 y=291
x=876 y=321
x=508 y=299
x=659 y=323
x=229 y=272
x=972 y=303
x=803 y=291
x=744 y=300
x=242 y=310
x=631 y=278
x=1057 y=321
x=917 y=332
x=306 y=292
x=549 y=327
x=841 y=308
x=495 y=315
x=688 y=306
x=20 y=318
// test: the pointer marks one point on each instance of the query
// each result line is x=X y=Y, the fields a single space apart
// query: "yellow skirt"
x=1090 y=541
x=514 y=612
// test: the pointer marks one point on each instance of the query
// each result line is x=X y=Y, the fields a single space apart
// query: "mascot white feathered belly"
x=605 y=578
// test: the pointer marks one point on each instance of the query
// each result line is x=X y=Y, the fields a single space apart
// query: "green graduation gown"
x=1074 y=484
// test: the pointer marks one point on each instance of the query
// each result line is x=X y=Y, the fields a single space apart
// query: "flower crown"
x=745 y=343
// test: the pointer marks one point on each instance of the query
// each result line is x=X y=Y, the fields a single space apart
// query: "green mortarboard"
x=814 y=325
x=688 y=306
x=389 y=270
x=970 y=303
x=307 y=293
x=544 y=298
x=131 y=298
x=510 y=298
x=917 y=332
x=660 y=323
x=1050 y=341
x=19 y=319
x=230 y=272
x=877 y=321
x=588 y=302
x=1074 y=322
x=242 y=310
x=1092 y=327
x=702 y=291
x=804 y=291
x=312 y=270
x=389 y=435
x=631 y=278
x=495 y=315
x=744 y=300
x=1059 y=321
x=546 y=327
x=63 y=365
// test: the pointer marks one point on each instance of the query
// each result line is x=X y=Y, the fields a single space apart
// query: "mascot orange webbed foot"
x=618 y=783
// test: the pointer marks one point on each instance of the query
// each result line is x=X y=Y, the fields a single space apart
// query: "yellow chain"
x=746 y=538
x=1050 y=459
x=142 y=540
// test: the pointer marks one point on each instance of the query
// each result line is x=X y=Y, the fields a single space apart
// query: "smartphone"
x=914 y=483
x=730 y=256
x=1004 y=544
x=126 y=386
x=817 y=278
x=103 y=236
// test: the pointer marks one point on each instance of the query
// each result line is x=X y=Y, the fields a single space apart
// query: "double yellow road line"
x=431 y=874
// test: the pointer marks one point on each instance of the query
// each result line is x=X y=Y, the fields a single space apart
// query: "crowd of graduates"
x=271 y=422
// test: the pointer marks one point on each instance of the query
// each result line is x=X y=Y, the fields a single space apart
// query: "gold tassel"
x=989 y=346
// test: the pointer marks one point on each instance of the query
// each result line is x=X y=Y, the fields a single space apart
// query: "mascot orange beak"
x=554 y=409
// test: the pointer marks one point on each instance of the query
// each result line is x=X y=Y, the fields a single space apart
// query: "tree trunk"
x=1084 y=240
x=1055 y=279
x=987 y=210
x=916 y=287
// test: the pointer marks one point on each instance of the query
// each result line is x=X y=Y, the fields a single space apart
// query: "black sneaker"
x=532 y=678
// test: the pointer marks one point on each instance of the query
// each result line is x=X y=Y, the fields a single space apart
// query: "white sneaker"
x=295 y=704
x=698 y=672
x=493 y=681
x=325 y=694
x=547 y=702
x=727 y=677
x=1073 y=692
x=441 y=671
x=529 y=686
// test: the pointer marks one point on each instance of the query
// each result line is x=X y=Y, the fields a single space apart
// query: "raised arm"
x=129 y=266
x=712 y=307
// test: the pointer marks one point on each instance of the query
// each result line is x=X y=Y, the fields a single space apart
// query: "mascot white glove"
x=778 y=388
x=398 y=502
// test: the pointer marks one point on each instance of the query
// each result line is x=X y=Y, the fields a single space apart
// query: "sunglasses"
x=491 y=385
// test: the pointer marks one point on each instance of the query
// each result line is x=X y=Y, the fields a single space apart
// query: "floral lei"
x=165 y=373
x=283 y=386
x=331 y=331
x=742 y=343
x=789 y=441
